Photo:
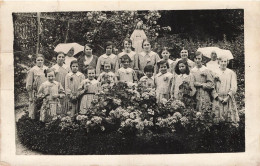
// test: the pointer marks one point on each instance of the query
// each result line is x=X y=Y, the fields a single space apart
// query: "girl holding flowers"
x=203 y=82
x=182 y=75
x=163 y=81
x=224 y=102
x=72 y=81
x=51 y=92
x=87 y=89
x=107 y=77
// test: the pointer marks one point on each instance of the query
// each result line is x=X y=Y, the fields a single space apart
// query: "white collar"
x=43 y=67
x=112 y=56
x=151 y=53
x=56 y=67
x=50 y=83
x=160 y=74
x=183 y=75
x=128 y=70
x=203 y=68
x=77 y=74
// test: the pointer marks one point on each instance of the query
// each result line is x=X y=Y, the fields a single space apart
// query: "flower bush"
x=122 y=114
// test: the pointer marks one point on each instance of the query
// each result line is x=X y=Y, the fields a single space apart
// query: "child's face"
x=198 y=60
x=91 y=74
x=163 y=68
x=60 y=58
x=213 y=56
x=127 y=45
x=223 y=63
x=146 y=46
x=74 y=67
x=71 y=52
x=88 y=50
x=149 y=74
x=107 y=67
x=50 y=76
x=184 y=54
x=126 y=63
x=109 y=50
x=39 y=61
x=165 y=55
x=182 y=68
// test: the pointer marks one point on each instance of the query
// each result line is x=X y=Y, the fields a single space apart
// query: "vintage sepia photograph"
x=124 y=82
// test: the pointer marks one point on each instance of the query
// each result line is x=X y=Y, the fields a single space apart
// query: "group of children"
x=67 y=90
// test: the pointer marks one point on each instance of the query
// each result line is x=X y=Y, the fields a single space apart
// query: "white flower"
x=177 y=115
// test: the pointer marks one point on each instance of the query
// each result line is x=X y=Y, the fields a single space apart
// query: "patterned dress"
x=163 y=83
x=126 y=75
x=51 y=106
x=112 y=59
x=88 y=95
x=178 y=80
x=202 y=76
x=226 y=85
x=72 y=82
x=107 y=77
x=34 y=79
x=147 y=82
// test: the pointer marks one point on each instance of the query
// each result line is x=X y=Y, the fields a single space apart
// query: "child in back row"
x=72 y=82
x=87 y=90
x=163 y=81
x=125 y=73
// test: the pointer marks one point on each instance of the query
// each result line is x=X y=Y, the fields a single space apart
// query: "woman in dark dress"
x=87 y=59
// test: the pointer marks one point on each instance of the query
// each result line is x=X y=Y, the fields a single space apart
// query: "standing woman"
x=34 y=79
x=224 y=103
x=60 y=69
x=87 y=59
x=108 y=57
x=127 y=50
x=147 y=57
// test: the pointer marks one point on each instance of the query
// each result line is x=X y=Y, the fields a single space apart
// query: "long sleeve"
x=61 y=90
x=193 y=89
x=98 y=68
x=173 y=85
x=233 y=86
x=67 y=89
x=40 y=92
x=136 y=67
x=29 y=81
x=157 y=59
